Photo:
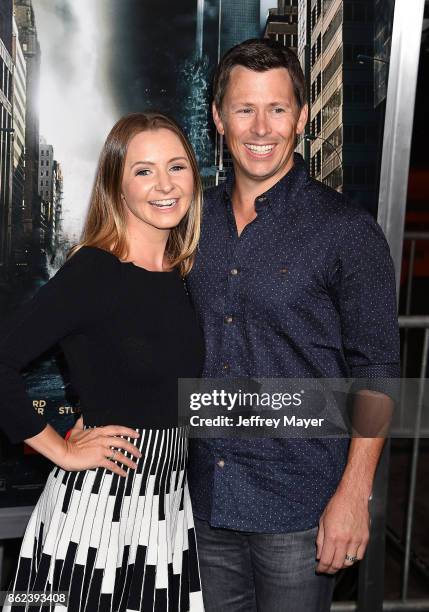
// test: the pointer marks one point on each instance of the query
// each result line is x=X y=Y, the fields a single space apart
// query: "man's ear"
x=217 y=120
x=302 y=119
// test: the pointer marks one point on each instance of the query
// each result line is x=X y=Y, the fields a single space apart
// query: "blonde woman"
x=113 y=526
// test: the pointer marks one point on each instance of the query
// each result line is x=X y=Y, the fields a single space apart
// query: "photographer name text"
x=254 y=421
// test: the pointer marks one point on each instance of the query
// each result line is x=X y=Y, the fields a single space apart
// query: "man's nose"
x=261 y=125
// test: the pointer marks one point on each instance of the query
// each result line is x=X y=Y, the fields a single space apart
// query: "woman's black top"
x=127 y=333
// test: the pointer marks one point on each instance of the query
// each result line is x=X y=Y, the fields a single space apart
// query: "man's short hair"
x=259 y=54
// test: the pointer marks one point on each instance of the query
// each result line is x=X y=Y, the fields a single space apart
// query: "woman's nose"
x=164 y=182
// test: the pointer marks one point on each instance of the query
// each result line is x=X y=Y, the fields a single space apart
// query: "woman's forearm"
x=50 y=444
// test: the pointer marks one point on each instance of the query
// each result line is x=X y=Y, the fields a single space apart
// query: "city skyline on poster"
x=100 y=61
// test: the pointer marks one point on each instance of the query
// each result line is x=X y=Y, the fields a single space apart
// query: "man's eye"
x=143 y=172
x=245 y=111
x=279 y=109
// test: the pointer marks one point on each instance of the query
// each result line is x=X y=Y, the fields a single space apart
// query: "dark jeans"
x=261 y=572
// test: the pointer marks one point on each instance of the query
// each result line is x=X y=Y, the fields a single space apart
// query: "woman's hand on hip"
x=91 y=448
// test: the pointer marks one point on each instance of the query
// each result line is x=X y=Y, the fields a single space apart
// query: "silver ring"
x=112 y=456
x=351 y=559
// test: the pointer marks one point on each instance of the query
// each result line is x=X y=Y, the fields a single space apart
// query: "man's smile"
x=258 y=151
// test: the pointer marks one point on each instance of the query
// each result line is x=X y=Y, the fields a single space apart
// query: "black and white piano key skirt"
x=113 y=543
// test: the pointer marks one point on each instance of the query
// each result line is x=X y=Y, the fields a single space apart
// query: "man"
x=291 y=281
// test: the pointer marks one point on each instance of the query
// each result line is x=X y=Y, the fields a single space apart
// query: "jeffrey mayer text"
x=254 y=421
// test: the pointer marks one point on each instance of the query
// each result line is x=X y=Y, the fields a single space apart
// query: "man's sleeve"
x=364 y=292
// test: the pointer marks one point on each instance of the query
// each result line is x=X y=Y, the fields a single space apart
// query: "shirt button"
x=228 y=319
x=221 y=463
x=226 y=366
x=234 y=272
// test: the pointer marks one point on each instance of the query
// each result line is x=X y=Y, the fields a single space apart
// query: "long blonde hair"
x=105 y=221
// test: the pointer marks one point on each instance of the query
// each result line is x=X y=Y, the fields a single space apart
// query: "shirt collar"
x=279 y=194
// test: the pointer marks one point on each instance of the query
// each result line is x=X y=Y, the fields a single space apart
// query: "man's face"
x=260 y=118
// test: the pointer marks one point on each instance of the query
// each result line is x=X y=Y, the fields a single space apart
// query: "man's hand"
x=343 y=530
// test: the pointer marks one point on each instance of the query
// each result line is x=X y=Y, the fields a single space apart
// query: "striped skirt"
x=113 y=543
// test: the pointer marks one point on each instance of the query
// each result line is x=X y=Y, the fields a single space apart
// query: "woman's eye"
x=143 y=172
x=178 y=168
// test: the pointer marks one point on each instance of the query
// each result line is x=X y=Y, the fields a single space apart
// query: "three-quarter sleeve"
x=365 y=295
x=80 y=293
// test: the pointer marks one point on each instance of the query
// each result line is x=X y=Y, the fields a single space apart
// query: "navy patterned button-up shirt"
x=306 y=290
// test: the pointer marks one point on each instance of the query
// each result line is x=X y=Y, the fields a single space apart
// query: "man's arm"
x=344 y=524
x=363 y=289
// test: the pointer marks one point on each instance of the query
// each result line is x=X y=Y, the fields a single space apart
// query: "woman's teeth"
x=163 y=203
x=260 y=148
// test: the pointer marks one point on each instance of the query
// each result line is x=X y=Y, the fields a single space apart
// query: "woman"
x=113 y=526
